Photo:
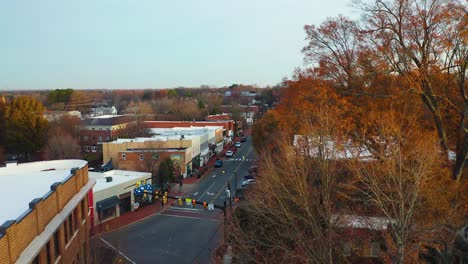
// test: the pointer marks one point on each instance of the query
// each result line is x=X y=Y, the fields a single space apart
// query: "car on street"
x=247 y=180
x=218 y=164
x=238 y=144
x=229 y=154
x=243 y=139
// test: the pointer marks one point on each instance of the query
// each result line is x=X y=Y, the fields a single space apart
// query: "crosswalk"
x=239 y=159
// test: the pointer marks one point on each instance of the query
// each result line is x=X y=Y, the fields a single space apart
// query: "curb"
x=137 y=221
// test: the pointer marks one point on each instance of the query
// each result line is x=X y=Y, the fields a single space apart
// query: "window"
x=92 y=128
x=140 y=157
x=93 y=148
x=57 y=244
x=100 y=138
x=124 y=157
x=100 y=128
x=108 y=138
x=76 y=219
x=68 y=228
x=83 y=209
x=375 y=249
x=85 y=137
x=109 y=212
x=107 y=129
x=48 y=253
x=86 y=148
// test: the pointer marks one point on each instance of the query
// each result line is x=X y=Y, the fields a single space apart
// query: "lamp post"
x=235 y=184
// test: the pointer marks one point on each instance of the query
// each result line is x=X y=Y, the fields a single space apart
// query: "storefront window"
x=107 y=213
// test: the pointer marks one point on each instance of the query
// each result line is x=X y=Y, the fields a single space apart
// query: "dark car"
x=218 y=164
x=243 y=139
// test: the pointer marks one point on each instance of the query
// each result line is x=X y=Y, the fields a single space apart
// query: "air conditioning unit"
x=108 y=179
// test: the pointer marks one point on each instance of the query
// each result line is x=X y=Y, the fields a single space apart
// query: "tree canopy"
x=25 y=126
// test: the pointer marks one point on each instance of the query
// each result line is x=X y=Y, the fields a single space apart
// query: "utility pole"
x=235 y=184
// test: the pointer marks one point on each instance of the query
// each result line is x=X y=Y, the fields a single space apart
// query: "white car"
x=229 y=154
x=237 y=145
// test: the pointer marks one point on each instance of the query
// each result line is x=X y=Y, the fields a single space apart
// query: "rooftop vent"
x=108 y=179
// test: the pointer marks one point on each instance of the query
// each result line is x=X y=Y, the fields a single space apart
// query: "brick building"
x=45 y=215
x=136 y=154
x=94 y=131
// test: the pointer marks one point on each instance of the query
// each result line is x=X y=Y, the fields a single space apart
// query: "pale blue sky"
x=134 y=44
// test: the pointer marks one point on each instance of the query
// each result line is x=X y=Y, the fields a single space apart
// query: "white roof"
x=141 y=140
x=106 y=116
x=362 y=222
x=332 y=149
x=22 y=183
x=118 y=177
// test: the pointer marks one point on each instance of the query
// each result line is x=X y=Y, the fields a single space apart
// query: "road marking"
x=229 y=180
x=190 y=217
x=214 y=176
x=185 y=209
x=120 y=252
x=195 y=193
x=201 y=197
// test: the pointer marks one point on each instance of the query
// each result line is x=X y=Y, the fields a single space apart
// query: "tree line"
x=389 y=90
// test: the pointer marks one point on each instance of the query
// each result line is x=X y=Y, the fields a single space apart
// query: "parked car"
x=218 y=164
x=229 y=154
x=238 y=144
x=243 y=139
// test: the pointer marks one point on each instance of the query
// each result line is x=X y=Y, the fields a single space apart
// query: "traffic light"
x=205 y=205
x=194 y=202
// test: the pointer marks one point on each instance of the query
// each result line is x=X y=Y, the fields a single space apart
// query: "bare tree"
x=289 y=217
x=61 y=145
x=396 y=183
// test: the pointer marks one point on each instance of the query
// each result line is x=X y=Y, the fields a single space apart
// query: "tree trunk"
x=462 y=147
x=431 y=103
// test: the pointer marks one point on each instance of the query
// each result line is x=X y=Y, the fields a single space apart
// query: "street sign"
x=211 y=206
x=136 y=205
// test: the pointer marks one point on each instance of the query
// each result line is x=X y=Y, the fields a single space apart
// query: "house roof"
x=106 y=120
x=22 y=183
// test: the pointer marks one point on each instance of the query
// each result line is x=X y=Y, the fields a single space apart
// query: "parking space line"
x=120 y=252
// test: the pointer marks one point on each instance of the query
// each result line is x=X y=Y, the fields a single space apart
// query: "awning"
x=107 y=203
x=107 y=166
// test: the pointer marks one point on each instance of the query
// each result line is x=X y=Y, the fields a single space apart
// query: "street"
x=182 y=234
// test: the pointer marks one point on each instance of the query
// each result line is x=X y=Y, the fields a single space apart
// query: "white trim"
x=35 y=247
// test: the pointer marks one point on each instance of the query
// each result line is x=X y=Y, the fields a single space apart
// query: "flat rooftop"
x=22 y=183
x=118 y=177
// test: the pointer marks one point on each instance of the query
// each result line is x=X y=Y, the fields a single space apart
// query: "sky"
x=140 y=44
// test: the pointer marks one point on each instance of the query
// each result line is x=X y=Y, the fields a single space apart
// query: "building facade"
x=49 y=222
x=114 y=195
x=94 y=131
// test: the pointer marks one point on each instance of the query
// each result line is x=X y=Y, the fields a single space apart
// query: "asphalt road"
x=183 y=234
